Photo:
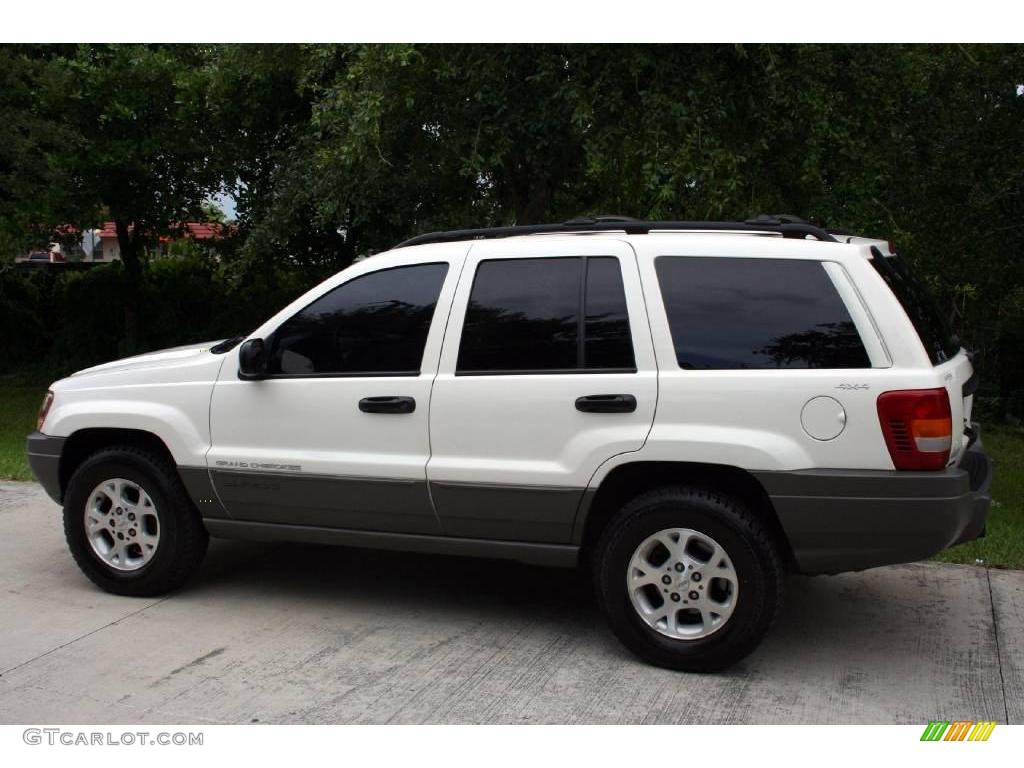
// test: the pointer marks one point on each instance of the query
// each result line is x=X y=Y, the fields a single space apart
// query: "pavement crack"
x=74 y=640
x=201 y=659
x=999 y=654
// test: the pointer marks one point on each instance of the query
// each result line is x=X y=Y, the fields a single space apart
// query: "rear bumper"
x=849 y=520
x=44 y=460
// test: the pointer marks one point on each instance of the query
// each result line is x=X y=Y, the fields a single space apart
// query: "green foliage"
x=333 y=151
x=57 y=323
x=143 y=149
x=25 y=337
x=1003 y=545
x=19 y=406
x=29 y=182
x=88 y=325
x=914 y=143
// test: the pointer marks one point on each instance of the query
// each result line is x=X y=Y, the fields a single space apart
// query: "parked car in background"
x=43 y=257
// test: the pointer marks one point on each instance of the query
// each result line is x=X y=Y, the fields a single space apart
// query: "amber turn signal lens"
x=918 y=427
x=43 y=410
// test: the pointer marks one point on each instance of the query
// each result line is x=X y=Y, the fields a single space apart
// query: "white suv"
x=690 y=408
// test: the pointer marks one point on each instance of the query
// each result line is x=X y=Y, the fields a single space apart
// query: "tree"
x=29 y=182
x=333 y=151
x=914 y=143
x=141 y=152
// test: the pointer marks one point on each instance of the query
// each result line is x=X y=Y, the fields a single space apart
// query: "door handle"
x=606 y=404
x=387 y=404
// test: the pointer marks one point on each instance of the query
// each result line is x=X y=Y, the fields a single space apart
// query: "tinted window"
x=932 y=328
x=375 y=323
x=756 y=313
x=526 y=315
x=523 y=315
x=608 y=341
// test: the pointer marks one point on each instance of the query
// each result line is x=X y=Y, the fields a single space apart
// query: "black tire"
x=183 y=538
x=752 y=550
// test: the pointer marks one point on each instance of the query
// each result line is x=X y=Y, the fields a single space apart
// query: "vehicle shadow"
x=333 y=573
x=897 y=644
x=825 y=619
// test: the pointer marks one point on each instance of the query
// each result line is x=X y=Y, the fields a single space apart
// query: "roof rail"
x=787 y=226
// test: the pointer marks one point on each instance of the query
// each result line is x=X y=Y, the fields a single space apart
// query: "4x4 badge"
x=853 y=386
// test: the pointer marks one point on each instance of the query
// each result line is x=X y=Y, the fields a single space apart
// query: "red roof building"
x=107 y=248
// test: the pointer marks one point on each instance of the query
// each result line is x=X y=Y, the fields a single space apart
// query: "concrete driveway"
x=293 y=634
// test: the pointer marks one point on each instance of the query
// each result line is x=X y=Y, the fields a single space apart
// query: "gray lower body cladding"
x=200 y=489
x=43 y=454
x=849 y=520
x=507 y=512
x=834 y=520
x=530 y=524
x=464 y=510
x=528 y=552
x=359 y=503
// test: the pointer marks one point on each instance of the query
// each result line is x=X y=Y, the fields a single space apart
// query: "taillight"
x=44 y=409
x=918 y=427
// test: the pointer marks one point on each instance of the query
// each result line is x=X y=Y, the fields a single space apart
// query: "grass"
x=19 y=406
x=1003 y=546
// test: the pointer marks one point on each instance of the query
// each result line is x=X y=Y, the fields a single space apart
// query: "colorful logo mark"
x=958 y=730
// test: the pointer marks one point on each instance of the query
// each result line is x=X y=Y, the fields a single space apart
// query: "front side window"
x=544 y=315
x=729 y=313
x=376 y=323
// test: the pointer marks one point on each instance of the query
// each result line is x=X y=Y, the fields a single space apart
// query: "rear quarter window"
x=736 y=313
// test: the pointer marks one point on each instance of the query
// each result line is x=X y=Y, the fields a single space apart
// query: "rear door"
x=547 y=370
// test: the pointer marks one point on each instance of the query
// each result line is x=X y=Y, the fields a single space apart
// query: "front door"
x=547 y=371
x=336 y=434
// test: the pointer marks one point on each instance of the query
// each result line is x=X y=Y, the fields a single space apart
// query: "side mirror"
x=252 y=360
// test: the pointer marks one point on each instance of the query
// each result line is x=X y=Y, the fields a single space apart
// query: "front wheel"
x=130 y=524
x=688 y=578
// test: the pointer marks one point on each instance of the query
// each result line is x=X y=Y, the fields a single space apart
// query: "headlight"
x=44 y=409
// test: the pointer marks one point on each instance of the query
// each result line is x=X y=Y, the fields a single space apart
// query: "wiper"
x=227 y=345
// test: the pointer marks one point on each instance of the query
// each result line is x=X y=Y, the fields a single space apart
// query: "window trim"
x=870 y=336
x=548 y=372
x=346 y=375
x=581 y=321
x=270 y=339
x=759 y=371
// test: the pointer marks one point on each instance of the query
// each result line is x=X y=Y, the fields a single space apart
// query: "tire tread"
x=651 y=503
x=190 y=540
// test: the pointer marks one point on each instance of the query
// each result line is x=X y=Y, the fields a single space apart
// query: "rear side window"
x=608 y=344
x=932 y=328
x=546 y=315
x=374 y=324
x=729 y=313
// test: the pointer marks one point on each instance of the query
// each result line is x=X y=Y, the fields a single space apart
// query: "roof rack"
x=783 y=224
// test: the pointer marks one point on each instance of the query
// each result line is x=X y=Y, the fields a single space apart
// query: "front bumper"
x=849 y=520
x=44 y=460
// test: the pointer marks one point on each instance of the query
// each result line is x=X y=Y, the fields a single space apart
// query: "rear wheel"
x=130 y=525
x=688 y=578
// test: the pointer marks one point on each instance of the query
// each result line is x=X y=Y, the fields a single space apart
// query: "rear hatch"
x=951 y=361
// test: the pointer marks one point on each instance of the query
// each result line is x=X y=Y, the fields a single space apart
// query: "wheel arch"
x=629 y=480
x=84 y=442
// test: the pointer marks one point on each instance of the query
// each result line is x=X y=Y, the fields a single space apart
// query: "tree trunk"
x=128 y=242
